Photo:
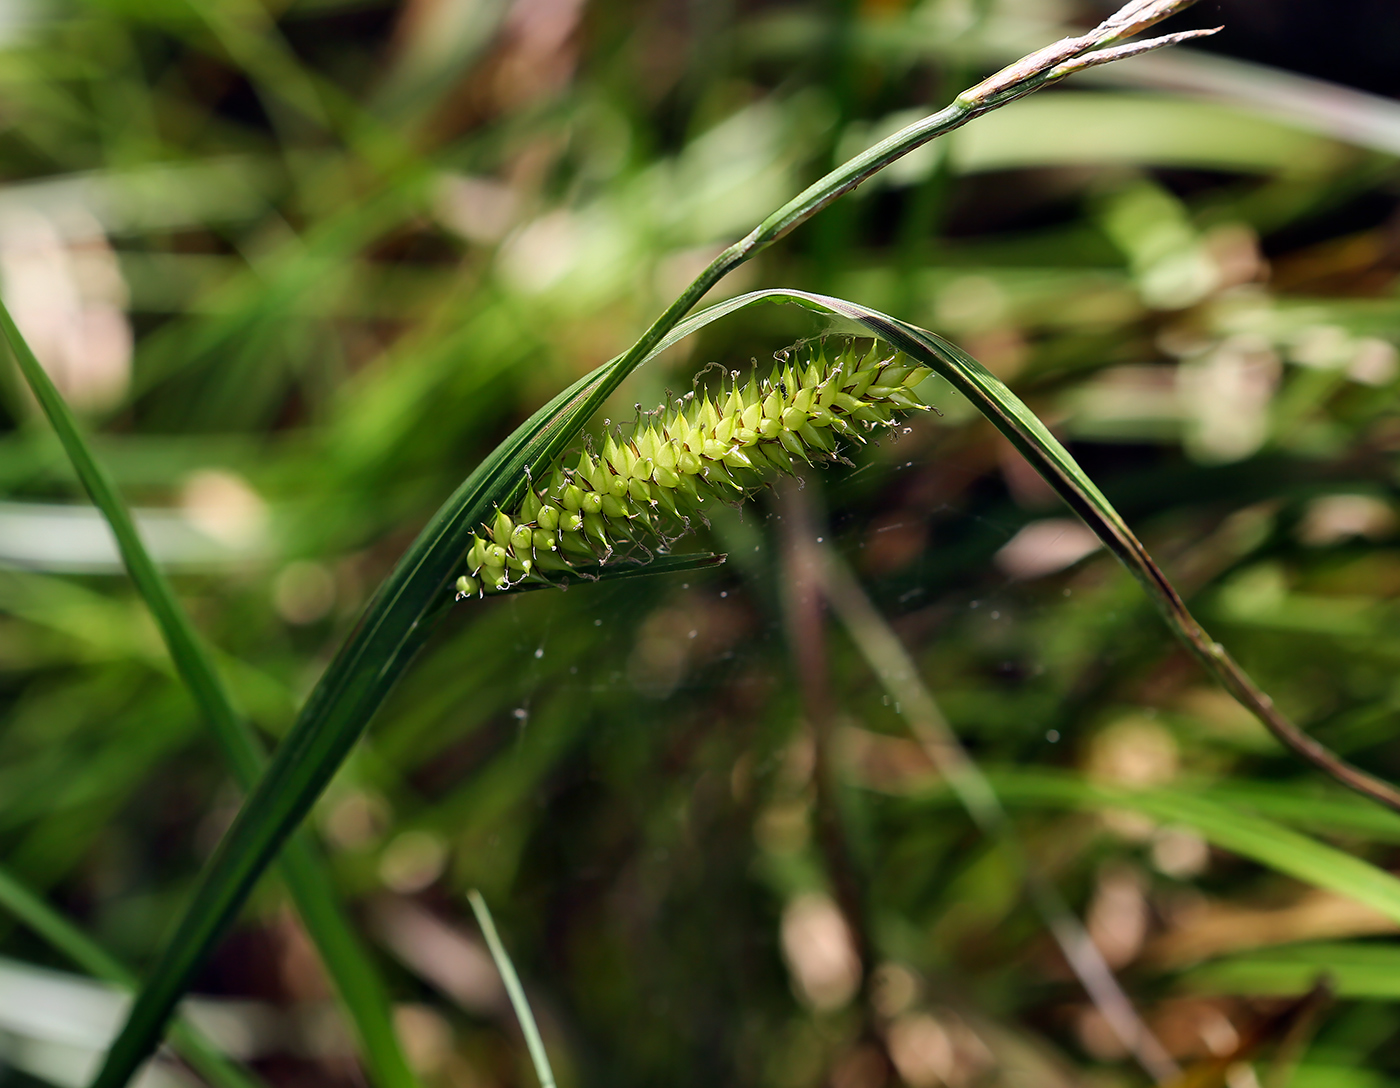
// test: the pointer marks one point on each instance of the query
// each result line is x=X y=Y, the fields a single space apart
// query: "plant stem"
x=804 y=622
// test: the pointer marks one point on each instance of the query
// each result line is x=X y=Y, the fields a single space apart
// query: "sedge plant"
x=527 y=516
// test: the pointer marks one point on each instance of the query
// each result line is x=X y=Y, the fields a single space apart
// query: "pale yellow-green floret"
x=644 y=489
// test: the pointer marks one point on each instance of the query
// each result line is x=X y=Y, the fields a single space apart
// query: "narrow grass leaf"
x=396 y=624
x=348 y=964
x=190 y=1042
x=514 y=990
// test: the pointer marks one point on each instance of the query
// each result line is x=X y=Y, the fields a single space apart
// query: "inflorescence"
x=653 y=482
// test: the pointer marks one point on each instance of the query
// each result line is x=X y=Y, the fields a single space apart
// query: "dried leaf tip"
x=1077 y=52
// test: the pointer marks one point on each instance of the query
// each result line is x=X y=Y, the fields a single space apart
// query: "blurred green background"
x=301 y=264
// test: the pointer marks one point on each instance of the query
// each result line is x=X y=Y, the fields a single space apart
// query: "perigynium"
x=644 y=488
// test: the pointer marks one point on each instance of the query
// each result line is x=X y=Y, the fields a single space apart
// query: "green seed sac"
x=644 y=489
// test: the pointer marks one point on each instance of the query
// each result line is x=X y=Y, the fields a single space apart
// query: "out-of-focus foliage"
x=300 y=266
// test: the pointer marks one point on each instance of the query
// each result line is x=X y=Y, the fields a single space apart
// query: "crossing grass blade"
x=1364 y=970
x=190 y=1042
x=347 y=962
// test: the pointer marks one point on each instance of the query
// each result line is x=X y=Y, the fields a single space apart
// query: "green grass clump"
x=651 y=483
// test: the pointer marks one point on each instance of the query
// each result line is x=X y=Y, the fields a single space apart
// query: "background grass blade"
x=192 y=1044
x=410 y=602
x=397 y=623
x=347 y=962
x=1369 y=970
x=514 y=990
x=614 y=572
x=1263 y=840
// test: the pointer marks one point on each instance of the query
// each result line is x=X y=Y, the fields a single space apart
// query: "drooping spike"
x=575 y=543
x=595 y=529
x=615 y=508
x=905 y=399
x=598 y=475
x=666 y=500
x=816 y=436
x=612 y=454
x=661 y=472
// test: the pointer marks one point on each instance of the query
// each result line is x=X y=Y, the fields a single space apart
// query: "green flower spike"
x=651 y=484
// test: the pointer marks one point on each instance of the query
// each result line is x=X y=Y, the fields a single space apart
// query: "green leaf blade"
x=347 y=962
